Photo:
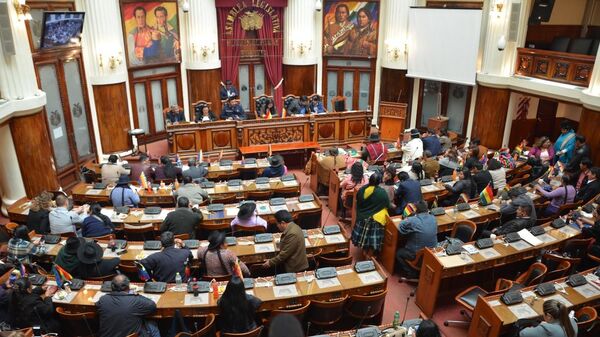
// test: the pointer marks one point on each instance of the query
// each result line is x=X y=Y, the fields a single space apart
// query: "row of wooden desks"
x=347 y=282
x=443 y=275
x=492 y=317
x=246 y=249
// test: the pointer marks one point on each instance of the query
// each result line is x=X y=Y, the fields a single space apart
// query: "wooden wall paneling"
x=299 y=80
x=327 y=128
x=523 y=128
x=542 y=35
x=113 y=117
x=392 y=120
x=490 y=116
x=204 y=85
x=589 y=128
x=395 y=86
x=34 y=152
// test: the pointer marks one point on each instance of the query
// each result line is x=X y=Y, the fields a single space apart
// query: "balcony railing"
x=575 y=69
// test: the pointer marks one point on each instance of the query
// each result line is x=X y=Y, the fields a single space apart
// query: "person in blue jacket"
x=564 y=147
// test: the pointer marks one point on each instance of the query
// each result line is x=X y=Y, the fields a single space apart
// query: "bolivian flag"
x=61 y=275
x=487 y=195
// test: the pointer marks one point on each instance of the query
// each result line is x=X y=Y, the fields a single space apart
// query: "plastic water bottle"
x=178 y=281
x=396 y=319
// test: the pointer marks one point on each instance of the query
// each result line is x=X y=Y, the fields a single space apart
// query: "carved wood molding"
x=561 y=67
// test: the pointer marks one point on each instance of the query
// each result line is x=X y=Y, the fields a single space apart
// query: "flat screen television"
x=61 y=29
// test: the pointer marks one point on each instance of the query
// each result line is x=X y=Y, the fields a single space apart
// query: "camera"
x=185 y=6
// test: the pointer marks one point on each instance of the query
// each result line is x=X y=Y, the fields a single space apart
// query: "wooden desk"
x=244 y=249
x=458 y=272
x=215 y=171
x=350 y=283
x=392 y=238
x=492 y=317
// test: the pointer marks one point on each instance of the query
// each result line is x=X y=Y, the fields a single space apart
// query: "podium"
x=437 y=123
x=392 y=120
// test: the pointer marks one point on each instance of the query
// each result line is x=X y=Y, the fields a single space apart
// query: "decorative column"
x=200 y=53
x=106 y=72
x=301 y=47
x=394 y=33
x=11 y=182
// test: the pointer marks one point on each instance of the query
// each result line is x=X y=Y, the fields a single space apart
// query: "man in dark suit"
x=164 y=265
x=228 y=91
x=409 y=191
x=292 y=251
x=122 y=313
x=183 y=220
x=582 y=150
x=232 y=110
x=523 y=220
x=175 y=115
x=482 y=177
x=591 y=188
x=194 y=171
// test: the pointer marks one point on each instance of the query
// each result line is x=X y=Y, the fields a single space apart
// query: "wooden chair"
x=566 y=208
x=467 y=299
x=253 y=333
x=101 y=278
x=533 y=276
x=310 y=218
x=241 y=231
x=558 y=266
x=325 y=261
x=206 y=331
x=586 y=317
x=10 y=228
x=184 y=236
x=229 y=198
x=260 y=101
x=287 y=101
x=218 y=278
x=288 y=192
x=77 y=323
x=364 y=307
x=259 y=195
x=106 y=237
x=338 y=103
x=416 y=265
x=248 y=173
x=26 y=332
x=139 y=232
x=313 y=259
x=129 y=269
x=324 y=314
x=464 y=230
x=226 y=176
x=197 y=106
x=299 y=313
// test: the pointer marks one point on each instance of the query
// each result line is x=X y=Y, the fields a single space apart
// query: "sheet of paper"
x=57 y=132
x=522 y=310
x=559 y=298
x=96 y=297
x=345 y=271
x=251 y=165
x=201 y=299
x=429 y=188
x=470 y=214
x=285 y=291
x=306 y=205
x=263 y=209
x=231 y=211
x=587 y=290
x=277 y=208
x=568 y=230
x=263 y=186
x=235 y=188
x=63 y=297
x=470 y=249
x=493 y=207
x=264 y=248
x=328 y=283
x=370 y=277
x=306 y=242
x=93 y=192
x=489 y=253
x=290 y=183
x=108 y=212
x=92 y=286
x=547 y=238
x=225 y=168
x=519 y=245
x=210 y=190
x=334 y=238
x=153 y=217
x=530 y=238
x=153 y=297
x=263 y=284
x=494 y=303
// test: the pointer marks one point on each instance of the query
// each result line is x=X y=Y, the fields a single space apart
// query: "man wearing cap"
x=175 y=115
x=183 y=220
x=62 y=220
x=122 y=313
x=193 y=192
x=247 y=217
x=164 y=265
x=123 y=195
x=375 y=150
x=276 y=167
x=91 y=263
x=67 y=255
x=292 y=250
x=412 y=150
x=519 y=197
x=216 y=259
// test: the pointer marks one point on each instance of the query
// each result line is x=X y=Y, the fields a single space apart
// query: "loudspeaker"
x=541 y=11
x=6 y=38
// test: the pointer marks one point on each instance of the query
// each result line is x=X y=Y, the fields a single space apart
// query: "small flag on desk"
x=434 y=204
x=464 y=197
x=409 y=210
x=270 y=151
x=283 y=113
x=486 y=196
x=22 y=270
x=177 y=160
x=143 y=180
x=454 y=175
x=268 y=115
x=61 y=275
x=176 y=184
x=483 y=159
x=237 y=270
x=200 y=156
x=220 y=155
x=142 y=273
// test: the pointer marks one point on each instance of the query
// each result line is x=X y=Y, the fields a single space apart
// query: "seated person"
x=581 y=178
x=276 y=167
x=267 y=109
x=111 y=171
x=420 y=231
x=498 y=174
x=316 y=106
x=430 y=165
x=121 y=313
x=522 y=221
x=449 y=163
x=563 y=194
x=248 y=217
x=228 y=90
x=412 y=150
x=416 y=171
x=389 y=184
x=91 y=263
x=409 y=191
x=204 y=114
x=172 y=259
x=299 y=106
x=167 y=170
x=232 y=110
x=428 y=328
x=216 y=259
x=431 y=142
x=20 y=247
x=375 y=150
x=39 y=213
x=195 y=171
x=32 y=307
x=175 y=115
x=590 y=227
x=518 y=197
x=183 y=220
x=67 y=256
x=445 y=141
x=557 y=322
x=542 y=150
x=237 y=308
x=192 y=191
x=591 y=188
x=331 y=160
x=62 y=220
x=292 y=248
x=482 y=177
x=96 y=224
x=521 y=147
x=143 y=165
x=123 y=195
x=465 y=185
x=355 y=180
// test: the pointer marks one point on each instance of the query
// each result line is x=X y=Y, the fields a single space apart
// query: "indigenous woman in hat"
x=216 y=259
x=247 y=217
x=67 y=256
x=375 y=150
x=123 y=195
x=90 y=255
x=412 y=150
x=276 y=168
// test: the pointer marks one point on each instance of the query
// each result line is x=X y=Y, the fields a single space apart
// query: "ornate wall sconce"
x=22 y=10
x=112 y=61
x=301 y=47
x=204 y=49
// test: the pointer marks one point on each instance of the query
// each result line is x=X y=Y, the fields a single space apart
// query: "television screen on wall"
x=62 y=29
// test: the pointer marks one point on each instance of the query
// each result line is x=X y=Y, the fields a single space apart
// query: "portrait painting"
x=350 y=28
x=151 y=32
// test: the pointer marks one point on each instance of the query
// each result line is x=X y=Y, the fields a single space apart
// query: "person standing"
x=565 y=144
x=372 y=205
x=292 y=249
x=582 y=150
x=375 y=150
x=194 y=171
x=228 y=91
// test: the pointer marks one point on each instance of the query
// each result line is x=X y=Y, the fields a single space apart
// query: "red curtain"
x=273 y=56
x=230 y=54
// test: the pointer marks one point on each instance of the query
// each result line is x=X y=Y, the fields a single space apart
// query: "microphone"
x=412 y=293
x=361 y=321
x=307 y=328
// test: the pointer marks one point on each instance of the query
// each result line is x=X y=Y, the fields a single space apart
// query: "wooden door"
x=546 y=119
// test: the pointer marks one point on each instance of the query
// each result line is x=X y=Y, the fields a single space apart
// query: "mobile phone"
x=122 y=252
x=37 y=331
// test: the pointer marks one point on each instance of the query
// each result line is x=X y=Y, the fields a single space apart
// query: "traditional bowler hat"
x=215 y=240
x=89 y=253
x=246 y=210
x=73 y=244
x=414 y=132
x=123 y=180
x=374 y=137
x=275 y=161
